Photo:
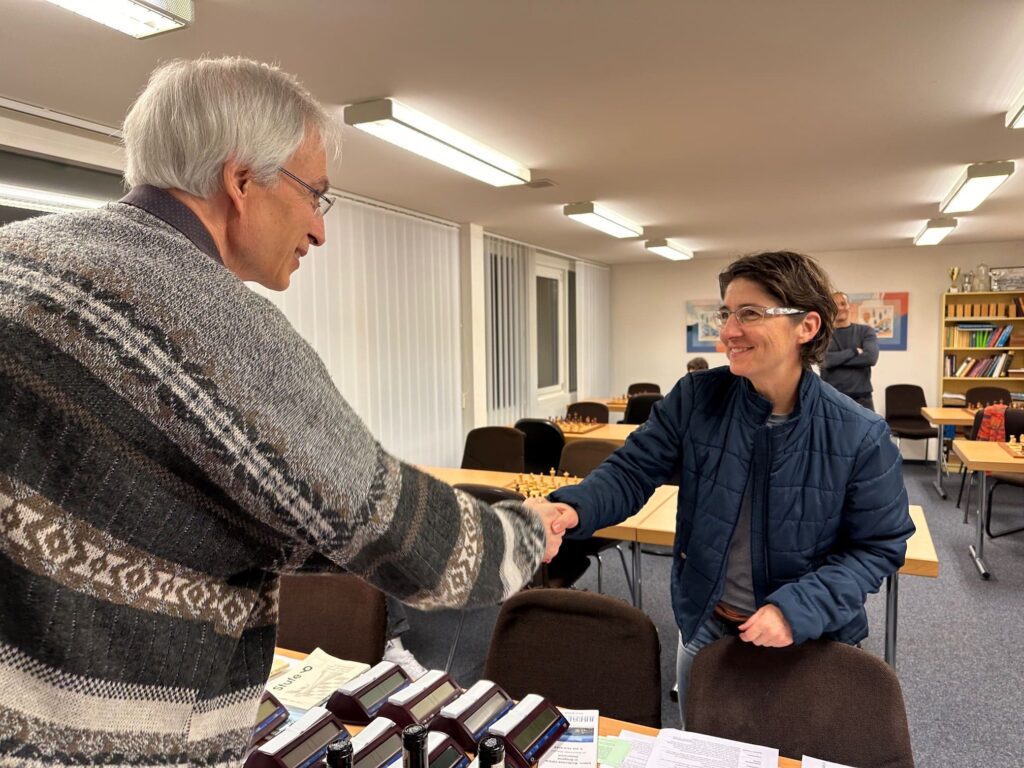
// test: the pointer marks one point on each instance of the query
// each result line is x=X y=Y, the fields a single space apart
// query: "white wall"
x=649 y=310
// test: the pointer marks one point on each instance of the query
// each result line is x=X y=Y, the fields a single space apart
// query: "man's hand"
x=557 y=519
x=860 y=351
x=767 y=627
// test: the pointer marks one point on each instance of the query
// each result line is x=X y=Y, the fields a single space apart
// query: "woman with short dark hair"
x=792 y=507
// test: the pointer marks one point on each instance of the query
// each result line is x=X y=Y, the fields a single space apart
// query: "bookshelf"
x=982 y=341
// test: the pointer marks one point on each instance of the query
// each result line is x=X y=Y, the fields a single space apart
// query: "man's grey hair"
x=195 y=115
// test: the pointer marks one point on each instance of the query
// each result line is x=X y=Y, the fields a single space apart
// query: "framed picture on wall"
x=701 y=333
x=886 y=313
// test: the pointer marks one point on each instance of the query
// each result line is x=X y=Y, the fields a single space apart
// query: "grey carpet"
x=958 y=654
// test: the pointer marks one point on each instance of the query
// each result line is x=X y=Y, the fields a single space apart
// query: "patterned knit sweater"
x=168 y=446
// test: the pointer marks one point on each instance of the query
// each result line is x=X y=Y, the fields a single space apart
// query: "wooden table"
x=939 y=418
x=659 y=527
x=617 y=433
x=983 y=456
x=664 y=496
x=615 y=405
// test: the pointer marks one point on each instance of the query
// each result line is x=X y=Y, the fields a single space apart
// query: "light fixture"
x=44 y=200
x=599 y=217
x=977 y=182
x=405 y=127
x=934 y=231
x=670 y=249
x=1015 y=115
x=59 y=117
x=138 y=18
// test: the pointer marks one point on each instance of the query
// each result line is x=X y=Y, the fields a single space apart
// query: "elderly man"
x=169 y=445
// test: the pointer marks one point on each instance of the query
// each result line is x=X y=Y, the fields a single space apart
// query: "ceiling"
x=732 y=126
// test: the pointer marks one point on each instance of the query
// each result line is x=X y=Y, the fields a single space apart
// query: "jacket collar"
x=757 y=408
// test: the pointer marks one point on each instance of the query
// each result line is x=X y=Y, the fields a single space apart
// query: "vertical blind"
x=379 y=302
x=506 y=274
x=593 y=330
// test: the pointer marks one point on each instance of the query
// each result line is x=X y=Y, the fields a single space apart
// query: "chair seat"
x=1009 y=479
x=911 y=429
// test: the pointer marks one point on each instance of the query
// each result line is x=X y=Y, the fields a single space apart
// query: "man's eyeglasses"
x=321 y=202
x=751 y=315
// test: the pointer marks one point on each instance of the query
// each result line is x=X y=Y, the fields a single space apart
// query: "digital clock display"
x=525 y=738
x=447 y=759
x=388 y=750
x=310 y=744
x=383 y=689
x=486 y=713
x=433 y=701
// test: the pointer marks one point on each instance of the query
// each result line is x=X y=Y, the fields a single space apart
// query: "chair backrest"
x=338 y=612
x=544 y=443
x=904 y=401
x=643 y=388
x=1014 y=422
x=579 y=649
x=499 y=449
x=987 y=396
x=638 y=408
x=581 y=457
x=588 y=410
x=489 y=494
x=821 y=698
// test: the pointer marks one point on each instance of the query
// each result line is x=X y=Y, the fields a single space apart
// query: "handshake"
x=557 y=519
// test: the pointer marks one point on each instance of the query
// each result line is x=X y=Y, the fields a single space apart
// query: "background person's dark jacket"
x=830 y=513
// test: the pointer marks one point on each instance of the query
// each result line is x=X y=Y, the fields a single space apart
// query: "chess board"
x=577 y=427
x=1016 y=450
x=541 y=485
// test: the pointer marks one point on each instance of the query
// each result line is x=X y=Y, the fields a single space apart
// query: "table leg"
x=977 y=550
x=938 y=468
x=892 y=587
x=638 y=576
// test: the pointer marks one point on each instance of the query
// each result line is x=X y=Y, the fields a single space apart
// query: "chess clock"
x=359 y=700
x=420 y=701
x=443 y=752
x=466 y=718
x=529 y=730
x=270 y=714
x=378 y=745
x=301 y=745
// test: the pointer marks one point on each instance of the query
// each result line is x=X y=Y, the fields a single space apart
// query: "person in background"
x=696 y=364
x=169 y=444
x=792 y=507
x=850 y=355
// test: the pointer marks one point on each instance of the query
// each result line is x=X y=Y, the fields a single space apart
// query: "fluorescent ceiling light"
x=599 y=217
x=1015 y=115
x=43 y=200
x=138 y=18
x=405 y=127
x=59 y=117
x=670 y=249
x=977 y=182
x=934 y=231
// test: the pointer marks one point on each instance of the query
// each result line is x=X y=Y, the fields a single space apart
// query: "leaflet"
x=816 y=762
x=681 y=749
x=578 y=746
x=313 y=679
x=640 y=749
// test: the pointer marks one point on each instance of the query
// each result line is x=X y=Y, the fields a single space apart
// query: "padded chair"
x=972 y=434
x=643 y=388
x=821 y=698
x=987 y=396
x=579 y=650
x=588 y=410
x=638 y=408
x=580 y=458
x=338 y=612
x=1014 y=426
x=544 y=443
x=903 y=404
x=500 y=449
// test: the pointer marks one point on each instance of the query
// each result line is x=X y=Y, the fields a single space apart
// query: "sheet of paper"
x=578 y=746
x=313 y=679
x=681 y=749
x=817 y=762
x=612 y=751
x=640 y=751
x=281 y=663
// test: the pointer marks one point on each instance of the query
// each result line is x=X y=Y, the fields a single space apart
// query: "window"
x=547 y=332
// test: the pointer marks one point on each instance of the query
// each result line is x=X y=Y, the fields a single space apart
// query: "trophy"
x=954 y=273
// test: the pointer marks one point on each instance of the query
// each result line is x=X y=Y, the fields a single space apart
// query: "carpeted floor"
x=958 y=657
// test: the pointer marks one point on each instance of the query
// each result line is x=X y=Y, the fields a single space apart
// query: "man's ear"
x=237 y=183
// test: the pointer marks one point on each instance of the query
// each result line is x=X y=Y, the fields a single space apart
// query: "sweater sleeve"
x=622 y=484
x=869 y=345
x=873 y=542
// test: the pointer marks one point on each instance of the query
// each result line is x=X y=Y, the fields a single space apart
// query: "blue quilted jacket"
x=830 y=516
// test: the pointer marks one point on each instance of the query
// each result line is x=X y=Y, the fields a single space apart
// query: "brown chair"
x=338 y=612
x=1014 y=426
x=638 y=408
x=903 y=404
x=822 y=698
x=987 y=396
x=581 y=457
x=579 y=650
x=500 y=449
x=544 y=443
x=643 y=388
x=588 y=410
